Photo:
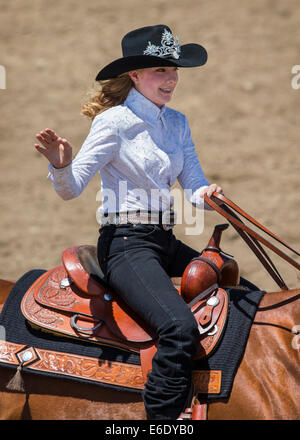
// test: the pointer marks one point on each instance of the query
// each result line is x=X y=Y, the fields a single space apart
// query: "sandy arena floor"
x=242 y=108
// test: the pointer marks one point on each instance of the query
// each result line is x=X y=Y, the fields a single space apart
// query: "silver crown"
x=170 y=46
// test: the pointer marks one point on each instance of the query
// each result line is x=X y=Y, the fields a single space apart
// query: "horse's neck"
x=279 y=308
x=274 y=325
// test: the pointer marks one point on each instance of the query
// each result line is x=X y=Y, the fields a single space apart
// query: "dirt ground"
x=242 y=108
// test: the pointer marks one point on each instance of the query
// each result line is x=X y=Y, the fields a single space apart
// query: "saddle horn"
x=215 y=239
x=212 y=266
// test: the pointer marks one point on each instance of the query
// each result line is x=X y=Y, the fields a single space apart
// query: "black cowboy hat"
x=153 y=46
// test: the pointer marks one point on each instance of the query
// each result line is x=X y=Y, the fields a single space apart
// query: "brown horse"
x=266 y=385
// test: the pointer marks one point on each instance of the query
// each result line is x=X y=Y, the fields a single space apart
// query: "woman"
x=140 y=147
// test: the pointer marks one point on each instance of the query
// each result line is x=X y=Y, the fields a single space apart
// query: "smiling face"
x=156 y=83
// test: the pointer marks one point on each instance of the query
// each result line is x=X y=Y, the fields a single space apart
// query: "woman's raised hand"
x=57 y=150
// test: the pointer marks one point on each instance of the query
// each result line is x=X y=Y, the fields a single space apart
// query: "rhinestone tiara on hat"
x=170 y=46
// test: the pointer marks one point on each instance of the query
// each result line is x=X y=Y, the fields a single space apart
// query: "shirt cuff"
x=56 y=173
x=198 y=200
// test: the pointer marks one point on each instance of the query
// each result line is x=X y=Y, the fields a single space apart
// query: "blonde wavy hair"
x=112 y=92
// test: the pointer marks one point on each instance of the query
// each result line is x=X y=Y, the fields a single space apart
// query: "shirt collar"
x=144 y=108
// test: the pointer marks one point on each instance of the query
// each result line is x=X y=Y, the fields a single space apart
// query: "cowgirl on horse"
x=136 y=139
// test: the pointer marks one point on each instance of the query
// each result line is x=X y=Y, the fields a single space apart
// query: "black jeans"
x=138 y=261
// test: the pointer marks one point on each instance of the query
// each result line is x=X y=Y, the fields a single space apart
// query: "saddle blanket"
x=56 y=356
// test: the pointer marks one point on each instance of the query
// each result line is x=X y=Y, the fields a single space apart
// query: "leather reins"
x=222 y=205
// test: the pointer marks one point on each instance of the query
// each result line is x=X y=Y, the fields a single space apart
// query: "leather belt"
x=165 y=219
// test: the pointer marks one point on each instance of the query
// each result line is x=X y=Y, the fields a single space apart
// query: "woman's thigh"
x=138 y=277
x=135 y=266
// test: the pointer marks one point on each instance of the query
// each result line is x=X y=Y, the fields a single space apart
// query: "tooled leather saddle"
x=74 y=300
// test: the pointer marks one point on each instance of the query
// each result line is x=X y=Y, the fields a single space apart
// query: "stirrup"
x=197 y=411
x=194 y=410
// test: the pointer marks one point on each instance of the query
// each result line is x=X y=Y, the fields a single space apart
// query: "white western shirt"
x=139 y=150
